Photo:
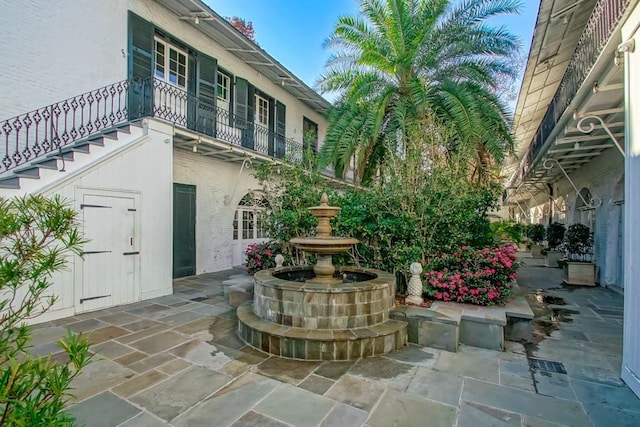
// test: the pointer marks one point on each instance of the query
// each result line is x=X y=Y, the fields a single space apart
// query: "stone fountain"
x=322 y=313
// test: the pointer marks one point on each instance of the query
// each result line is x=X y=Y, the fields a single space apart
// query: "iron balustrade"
x=599 y=28
x=49 y=129
x=46 y=130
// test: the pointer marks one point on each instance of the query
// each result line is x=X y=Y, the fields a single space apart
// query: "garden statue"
x=414 y=287
x=279 y=261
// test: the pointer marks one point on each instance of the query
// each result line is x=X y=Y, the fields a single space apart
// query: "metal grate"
x=547 y=365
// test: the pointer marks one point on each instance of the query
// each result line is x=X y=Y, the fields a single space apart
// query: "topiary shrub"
x=555 y=235
x=578 y=243
x=36 y=236
x=535 y=233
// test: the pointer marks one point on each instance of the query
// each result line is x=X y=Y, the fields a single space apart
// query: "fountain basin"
x=344 y=320
x=314 y=305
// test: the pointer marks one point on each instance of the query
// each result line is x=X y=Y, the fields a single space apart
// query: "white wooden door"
x=631 y=341
x=109 y=273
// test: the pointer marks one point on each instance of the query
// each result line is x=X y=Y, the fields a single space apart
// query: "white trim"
x=227 y=87
x=258 y=107
x=167 y=63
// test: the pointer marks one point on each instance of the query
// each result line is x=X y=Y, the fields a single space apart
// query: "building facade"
x=575 y=138
x=147 y=115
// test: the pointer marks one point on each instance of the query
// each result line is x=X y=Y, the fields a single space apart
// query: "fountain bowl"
x=324 y=245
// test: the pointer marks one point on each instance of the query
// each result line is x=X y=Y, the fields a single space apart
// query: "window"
x=170 y=64
x=262 y=111
x=250 y=220
x=310 y=135
x=224 y=84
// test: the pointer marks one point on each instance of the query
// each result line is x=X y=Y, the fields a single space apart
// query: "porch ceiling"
x=558 y=28
x=601 y=95
x=218 y=29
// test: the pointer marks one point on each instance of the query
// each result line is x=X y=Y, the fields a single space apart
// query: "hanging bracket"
x=227 y=198
x=591 y=126
x=591 y=204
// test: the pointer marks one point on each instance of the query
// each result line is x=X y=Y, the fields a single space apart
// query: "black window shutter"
x=241 y=101
x=280 y=130
x=140 y=67
x=207 y=81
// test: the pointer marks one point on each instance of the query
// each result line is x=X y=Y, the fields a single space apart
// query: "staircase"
x=65 y=162
x=54 y=142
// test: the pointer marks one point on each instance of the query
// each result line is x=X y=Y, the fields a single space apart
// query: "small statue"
x=414 y=287
x=279 y=261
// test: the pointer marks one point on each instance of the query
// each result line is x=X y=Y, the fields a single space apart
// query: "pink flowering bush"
x=474 y=276
x=261 y=256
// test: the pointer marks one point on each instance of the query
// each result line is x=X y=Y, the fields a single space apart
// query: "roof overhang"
x=217 y=28
x=558 y=28
x=590 y=124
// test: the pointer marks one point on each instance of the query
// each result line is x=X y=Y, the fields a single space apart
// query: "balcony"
x=50 y=129
x=598 y=31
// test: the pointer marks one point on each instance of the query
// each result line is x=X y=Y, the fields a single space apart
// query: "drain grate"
x=198 y=299
x=547 y=365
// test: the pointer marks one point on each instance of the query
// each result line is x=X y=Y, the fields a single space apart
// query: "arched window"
x=249 y=222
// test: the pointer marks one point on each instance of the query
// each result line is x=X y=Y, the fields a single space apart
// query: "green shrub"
x=578 y=243
x=555 y=235
x=36 y=236
x=535 y=233
x=507 y=231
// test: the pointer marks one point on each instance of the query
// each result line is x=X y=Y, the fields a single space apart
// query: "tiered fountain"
x=322 y=313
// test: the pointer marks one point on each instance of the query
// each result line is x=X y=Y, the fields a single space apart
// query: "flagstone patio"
x=176 y=360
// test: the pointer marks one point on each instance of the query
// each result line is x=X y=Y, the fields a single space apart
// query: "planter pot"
x=536 y=251
x=580 y=273
x=553 y=257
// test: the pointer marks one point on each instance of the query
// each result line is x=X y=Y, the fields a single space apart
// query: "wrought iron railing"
x=601 y=24
x=45 y=130
x=49 y=129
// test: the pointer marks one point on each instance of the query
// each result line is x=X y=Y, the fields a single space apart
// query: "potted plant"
x=555 y=236
x=535 y=233
x=578 y=247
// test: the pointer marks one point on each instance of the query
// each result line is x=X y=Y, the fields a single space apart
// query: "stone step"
x=320 y=344
x=445 y=325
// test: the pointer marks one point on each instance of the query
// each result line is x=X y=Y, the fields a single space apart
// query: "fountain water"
x=319 y=313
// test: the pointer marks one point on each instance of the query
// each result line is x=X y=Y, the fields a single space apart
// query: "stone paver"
x=174 y=396
x=295 y=406
x=103 y=410
x=176 y=360
x=401 y=409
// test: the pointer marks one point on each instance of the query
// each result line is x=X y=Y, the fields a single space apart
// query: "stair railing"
x=48 y=129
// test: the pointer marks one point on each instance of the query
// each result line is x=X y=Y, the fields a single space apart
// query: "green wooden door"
x=184 y=230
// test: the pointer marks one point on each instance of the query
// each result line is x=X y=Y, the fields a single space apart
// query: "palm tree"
x=403 y=60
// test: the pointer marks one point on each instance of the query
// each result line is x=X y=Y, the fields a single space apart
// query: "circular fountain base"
x=343 y=320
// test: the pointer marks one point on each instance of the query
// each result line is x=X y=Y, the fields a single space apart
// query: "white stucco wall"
x=144 y=168
x=603 y=177
x=52 y=50
x=214 y=179
x=56 y=50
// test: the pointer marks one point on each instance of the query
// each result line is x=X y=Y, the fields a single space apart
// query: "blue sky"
x=292 y=31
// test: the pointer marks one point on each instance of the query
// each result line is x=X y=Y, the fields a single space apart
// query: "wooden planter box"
x=580 y=273
x=536 y=251
x=553 y=257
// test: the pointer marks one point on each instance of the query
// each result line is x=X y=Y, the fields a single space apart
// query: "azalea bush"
x=261 y=256
x=475 y=276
